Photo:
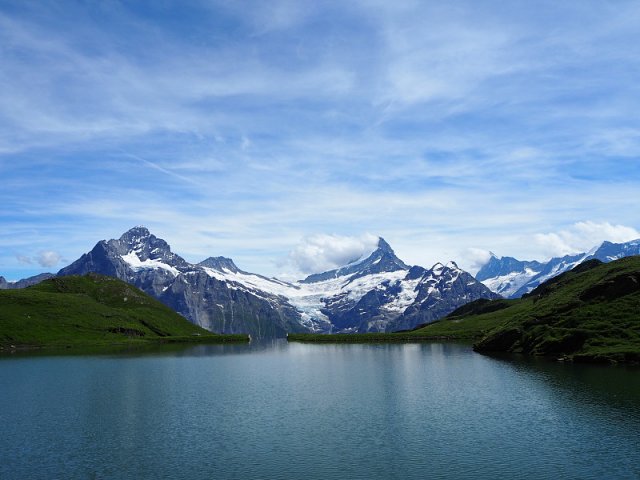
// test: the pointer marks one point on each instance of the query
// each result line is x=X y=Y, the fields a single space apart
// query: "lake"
x=286 y=411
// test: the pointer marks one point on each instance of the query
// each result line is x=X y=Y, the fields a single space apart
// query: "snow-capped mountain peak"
x=609 y=251
x=437 y=269
x=136 y=236
x=144 y=244
x=451 y=265
x=136 y=253
x=384 y=246
x=382 y=259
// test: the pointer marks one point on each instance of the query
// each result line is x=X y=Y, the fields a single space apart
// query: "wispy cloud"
x=243 y=129
x=24 y=260
x=159 y=168
x=584 y=235
x=49 y=258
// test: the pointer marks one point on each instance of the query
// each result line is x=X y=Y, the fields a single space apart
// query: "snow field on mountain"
x=308 y=298
x=136 y=264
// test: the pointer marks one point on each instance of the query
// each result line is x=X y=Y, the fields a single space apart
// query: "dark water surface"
x=288 y=411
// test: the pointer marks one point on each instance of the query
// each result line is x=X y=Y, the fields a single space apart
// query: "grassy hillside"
x=591 y=313
x=92 y=310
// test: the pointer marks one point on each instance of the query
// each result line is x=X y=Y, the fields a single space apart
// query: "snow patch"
x=507 y=285
x=406 y=297
x=136 y=264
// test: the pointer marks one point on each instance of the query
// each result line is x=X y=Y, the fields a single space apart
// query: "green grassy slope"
x=92 y=310
x=591 y=313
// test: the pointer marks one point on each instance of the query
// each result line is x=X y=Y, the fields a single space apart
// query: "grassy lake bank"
x=93 y=310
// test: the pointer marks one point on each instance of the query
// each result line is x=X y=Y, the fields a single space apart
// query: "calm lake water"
x=287 y=411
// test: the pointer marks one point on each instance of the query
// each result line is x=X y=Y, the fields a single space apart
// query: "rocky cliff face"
x=140 y=258
x=442 y=289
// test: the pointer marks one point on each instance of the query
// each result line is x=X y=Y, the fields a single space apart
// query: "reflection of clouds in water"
x=273 y=409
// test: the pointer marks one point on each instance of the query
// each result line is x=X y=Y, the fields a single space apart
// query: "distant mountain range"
x=513 y=278
x=25 y=282
x=376 y=293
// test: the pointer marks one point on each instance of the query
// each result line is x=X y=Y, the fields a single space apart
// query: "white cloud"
x=446 y=64
x=582 y=236
x=440 y=126
x=322 y=252
x=621 y=142
x=474 y=258
x=48 y=258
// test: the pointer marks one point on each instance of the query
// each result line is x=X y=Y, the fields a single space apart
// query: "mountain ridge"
x=513 y=278
x=25 y=282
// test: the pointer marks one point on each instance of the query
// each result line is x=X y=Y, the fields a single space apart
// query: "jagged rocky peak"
x=384 y=253
x=220 y=263
x=136 y=235
x=501 y=266
x=384 y=246
x=139 y=237
x=382 y=259
x=146 y=246
x=136 y=250
x=437 y=268
x=415 y=272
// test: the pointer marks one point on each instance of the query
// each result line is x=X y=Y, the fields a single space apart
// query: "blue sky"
x=272 y=132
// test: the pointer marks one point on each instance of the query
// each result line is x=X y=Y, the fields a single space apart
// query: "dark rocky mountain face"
x=376 y=293
x=442 y=290
x=514 y=278
x=496 y=267
x=220 y=306
x=140 y=258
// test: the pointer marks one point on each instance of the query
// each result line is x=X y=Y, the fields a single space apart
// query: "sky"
x=289 y=135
